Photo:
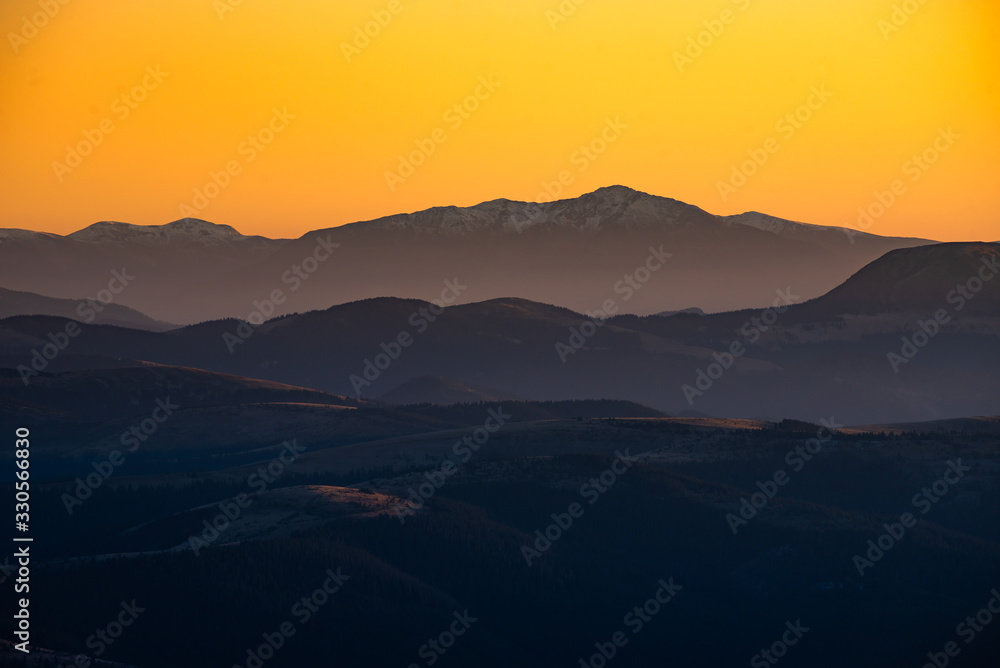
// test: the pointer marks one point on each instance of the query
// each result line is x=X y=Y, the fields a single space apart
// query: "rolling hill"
x=803 y=361
x=14 y=303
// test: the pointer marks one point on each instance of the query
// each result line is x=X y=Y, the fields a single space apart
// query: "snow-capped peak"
x=606 y=209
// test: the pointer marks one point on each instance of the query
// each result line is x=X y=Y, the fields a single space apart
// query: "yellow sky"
x=200 y=77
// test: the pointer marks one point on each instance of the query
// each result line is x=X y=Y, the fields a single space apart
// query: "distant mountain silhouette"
x=14 y=303
x=575 y=253
x=192 y=231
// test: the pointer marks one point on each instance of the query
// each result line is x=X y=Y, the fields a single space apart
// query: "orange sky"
x=344 y=116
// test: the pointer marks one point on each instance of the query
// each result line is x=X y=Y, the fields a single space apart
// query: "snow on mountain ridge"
x=17 y=234
x=185 y=229
x=606 y=208
x=609 y=208
x=763 y=221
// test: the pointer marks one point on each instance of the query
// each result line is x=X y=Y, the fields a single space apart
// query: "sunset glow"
x=277 y=117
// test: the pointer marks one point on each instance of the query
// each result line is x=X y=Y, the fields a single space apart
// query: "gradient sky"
x=227 y=68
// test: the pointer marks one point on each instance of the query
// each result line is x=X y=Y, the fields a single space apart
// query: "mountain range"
x=506 y=413
x=574 y=253
x=852 y=353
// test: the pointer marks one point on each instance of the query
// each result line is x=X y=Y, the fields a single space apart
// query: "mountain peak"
x=195 y=223
x=609 y=208
x=618 y=192
x=191 y=230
